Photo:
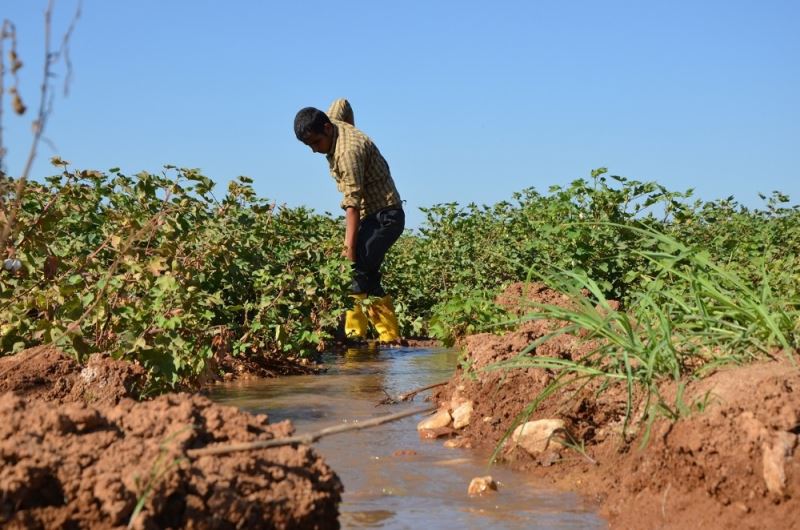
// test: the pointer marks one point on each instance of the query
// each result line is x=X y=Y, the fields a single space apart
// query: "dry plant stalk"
x=307 y=438
x=8 y=213
x=389 y=400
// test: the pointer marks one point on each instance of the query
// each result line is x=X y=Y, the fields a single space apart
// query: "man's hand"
x=349 y=253
x=352 y=219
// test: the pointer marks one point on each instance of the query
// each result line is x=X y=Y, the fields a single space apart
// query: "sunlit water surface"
x=423 y=490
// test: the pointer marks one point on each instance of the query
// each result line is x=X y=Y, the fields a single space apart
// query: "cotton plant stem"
x=307 y=438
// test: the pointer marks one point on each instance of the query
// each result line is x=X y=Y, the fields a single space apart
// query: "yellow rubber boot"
x=355 y=321
x=381 y=314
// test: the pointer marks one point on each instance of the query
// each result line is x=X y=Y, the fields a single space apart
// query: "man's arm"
x=350 y=168
x=352 y=217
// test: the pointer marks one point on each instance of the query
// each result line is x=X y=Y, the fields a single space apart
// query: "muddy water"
x=425 y=488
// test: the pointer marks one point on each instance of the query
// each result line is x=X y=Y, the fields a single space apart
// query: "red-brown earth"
x=733 y=462
x=78 y=452
x=45 y=373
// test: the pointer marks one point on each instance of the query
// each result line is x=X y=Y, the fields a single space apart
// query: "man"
x=374 y=216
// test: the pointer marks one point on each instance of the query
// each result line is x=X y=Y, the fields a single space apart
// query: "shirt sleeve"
x=342 y=111
x=351 y=178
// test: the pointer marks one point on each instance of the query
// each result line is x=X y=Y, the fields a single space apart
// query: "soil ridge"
x=732 y=461
x=78 y=452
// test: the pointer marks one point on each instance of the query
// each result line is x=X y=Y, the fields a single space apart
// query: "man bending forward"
x=374 y=216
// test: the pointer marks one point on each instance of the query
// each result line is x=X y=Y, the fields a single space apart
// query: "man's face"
x=320 y=143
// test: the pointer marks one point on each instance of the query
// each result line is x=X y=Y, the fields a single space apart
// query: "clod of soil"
x=78 y=466
x=733 y=463
x=45 y=372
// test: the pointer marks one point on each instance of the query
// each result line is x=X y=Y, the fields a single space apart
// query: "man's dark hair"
x=309 y=120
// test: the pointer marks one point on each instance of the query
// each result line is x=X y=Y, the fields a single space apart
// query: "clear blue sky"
x=468 y=101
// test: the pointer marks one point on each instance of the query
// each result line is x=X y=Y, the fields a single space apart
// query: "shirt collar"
x=329 y=154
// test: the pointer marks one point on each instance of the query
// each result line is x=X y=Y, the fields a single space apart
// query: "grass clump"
x=688 y=315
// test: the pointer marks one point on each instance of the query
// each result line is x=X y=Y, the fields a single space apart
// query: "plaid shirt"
x=342 y=111
x=360 y=171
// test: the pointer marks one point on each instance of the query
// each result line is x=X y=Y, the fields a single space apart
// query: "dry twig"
x=307 y=438
x=410 y=395
x=389 y=400
x=51 y=57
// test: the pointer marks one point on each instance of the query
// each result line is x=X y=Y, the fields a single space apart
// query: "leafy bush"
x=576 y=228
x=153 y=268
x=466 y=313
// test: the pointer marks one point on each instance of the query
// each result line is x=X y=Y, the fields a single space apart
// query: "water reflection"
x=367 y=519
x=392 y=479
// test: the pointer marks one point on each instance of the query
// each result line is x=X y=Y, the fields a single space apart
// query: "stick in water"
x=409 y=395
x=389 y=400
x=307 y=438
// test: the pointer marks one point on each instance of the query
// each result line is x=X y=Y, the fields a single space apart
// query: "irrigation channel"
x=392 y=478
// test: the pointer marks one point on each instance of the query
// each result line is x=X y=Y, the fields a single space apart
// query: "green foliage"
x=483 y=248
x=576 y=228
x=153 y=268
x=466 y=313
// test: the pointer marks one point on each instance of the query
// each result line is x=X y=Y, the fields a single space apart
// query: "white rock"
x=457 y=443
x=462 y=415
x=480 y=485
x=441 y=419
x=775 y=455
x=536 y=436
x=89 y=374
x=456 y=401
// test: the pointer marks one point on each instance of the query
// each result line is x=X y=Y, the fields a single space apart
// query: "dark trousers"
x=376 y=233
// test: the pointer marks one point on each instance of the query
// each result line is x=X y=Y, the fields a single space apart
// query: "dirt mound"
x=732 y=461
x=45 y=372
x=500 y=395
x=735 y=464
x=520 y=297
x=78 y=466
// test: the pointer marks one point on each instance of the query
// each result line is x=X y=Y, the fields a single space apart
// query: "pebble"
x=481 y=485
x=432 y=434
x=775 y=453
x=462 y=415
x=535 y=436
x=441 y=419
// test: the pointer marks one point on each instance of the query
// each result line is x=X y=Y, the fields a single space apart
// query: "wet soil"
x=46 y=373
x=733 y=462
x=76 y=452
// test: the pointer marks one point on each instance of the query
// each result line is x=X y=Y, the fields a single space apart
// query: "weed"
x=689 y=314
x=160 y=467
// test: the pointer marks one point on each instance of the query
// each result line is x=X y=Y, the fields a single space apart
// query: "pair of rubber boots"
x=380 y=312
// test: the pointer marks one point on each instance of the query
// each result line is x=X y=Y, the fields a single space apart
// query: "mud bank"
x=733 y=462
x=46 y=373
x=74 y=457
